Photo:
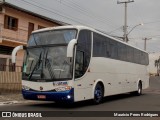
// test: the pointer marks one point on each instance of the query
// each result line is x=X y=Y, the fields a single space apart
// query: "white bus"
x=76 y=63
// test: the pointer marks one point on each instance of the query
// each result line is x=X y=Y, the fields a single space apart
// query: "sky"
x=107 y=16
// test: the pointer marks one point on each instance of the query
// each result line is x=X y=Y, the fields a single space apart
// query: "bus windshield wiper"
x=37 y=65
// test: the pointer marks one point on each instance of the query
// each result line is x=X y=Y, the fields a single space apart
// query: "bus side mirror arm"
x=70 y=47
x=14 y=52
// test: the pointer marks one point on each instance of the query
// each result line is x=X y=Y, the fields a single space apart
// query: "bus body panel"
x=66 y=96
x=47 y=86
x=117 y=76
x=50 y=90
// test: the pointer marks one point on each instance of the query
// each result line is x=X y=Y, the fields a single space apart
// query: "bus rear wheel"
x=139 y=91
x=98 y=94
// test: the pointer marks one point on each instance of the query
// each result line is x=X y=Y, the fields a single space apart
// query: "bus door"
x=82 y=60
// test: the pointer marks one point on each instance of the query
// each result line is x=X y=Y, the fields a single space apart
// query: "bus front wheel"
x=98 y=94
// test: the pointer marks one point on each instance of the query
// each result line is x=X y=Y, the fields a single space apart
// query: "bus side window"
x=79 y=66
x=113 y=50
x=108 y=54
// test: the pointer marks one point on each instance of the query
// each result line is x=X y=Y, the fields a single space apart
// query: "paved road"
x=149 y=101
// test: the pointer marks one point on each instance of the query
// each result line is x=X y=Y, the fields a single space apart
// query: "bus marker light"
x=68 y=87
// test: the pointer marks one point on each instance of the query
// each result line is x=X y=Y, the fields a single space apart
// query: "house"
x=16 y=25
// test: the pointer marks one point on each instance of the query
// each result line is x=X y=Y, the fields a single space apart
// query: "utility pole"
x=125 y=17
x=145 y=42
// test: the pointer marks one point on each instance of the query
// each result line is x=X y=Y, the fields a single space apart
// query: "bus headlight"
x=25 y=87
x=66 y=88
x=68 y=96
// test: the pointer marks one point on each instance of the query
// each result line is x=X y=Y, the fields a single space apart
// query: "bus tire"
x=98 y=93
x=139 y=91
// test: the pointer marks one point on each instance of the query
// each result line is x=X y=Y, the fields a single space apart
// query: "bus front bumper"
x=67 y=96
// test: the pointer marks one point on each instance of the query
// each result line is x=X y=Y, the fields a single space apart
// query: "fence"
x=10 y=79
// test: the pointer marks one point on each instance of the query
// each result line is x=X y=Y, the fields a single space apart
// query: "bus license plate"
x=41 y=96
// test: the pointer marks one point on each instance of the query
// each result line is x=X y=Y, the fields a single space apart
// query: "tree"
x=157 y=65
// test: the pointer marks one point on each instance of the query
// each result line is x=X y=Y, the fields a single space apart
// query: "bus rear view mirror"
x=70 y=47
x=14 y=52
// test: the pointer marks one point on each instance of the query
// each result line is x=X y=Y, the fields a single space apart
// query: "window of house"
x=30 y=28
x=10 y=23
x=6 y=50
x=40 y=27
x=3 y=62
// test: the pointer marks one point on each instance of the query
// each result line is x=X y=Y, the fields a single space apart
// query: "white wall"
x=152 y=58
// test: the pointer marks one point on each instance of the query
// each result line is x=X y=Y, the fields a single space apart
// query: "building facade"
x=16 y=25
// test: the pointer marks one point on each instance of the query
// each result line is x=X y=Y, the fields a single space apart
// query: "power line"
x=88 y=14
x=114 y=30
x=83 y=11
x=99 y=23
x=152 y=36
x=69 y=18
x=152 y=22
x=88 y=11
x=53 y=12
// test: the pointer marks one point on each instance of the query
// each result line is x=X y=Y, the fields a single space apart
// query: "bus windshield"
x=45 y=57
